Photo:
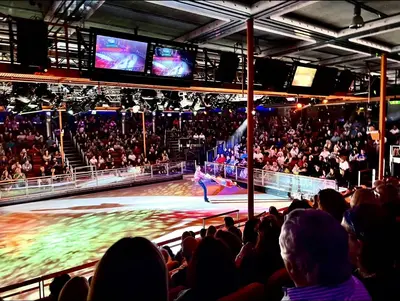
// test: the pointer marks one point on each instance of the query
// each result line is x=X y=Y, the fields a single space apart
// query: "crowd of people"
x=327 y=248
x=106 y=147
x=24 y=152
x=328 y=149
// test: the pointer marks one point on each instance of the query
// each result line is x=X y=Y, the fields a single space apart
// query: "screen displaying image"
x=120 y=54
x=304 y=77
x=172 y=62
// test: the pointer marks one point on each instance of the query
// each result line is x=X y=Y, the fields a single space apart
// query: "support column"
x=250 y=117
x=48 y=124
x=61 y=137
x=144 y=135
x=123 y=119
x=154 y=122
x=382 y=117
x=180 y=121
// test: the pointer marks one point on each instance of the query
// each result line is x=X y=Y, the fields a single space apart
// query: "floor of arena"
x=43 y=237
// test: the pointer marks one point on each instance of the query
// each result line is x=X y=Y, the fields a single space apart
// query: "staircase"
x=72 y=154
x=172 y=142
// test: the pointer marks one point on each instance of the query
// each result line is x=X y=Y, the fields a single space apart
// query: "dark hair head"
x=57 y=284
x=131 y=269
x=298 y=204
x=229 y=222
x=203 y=232
x=171 y=254
x=212 y=271
x=272 y=210
x=185 y=234
x=211 y=231
x=333 y=202
x=192 y=234
x=250 y=233
x=76 y=289
x=231 y=240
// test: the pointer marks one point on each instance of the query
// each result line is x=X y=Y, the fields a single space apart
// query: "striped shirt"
x=350 y=290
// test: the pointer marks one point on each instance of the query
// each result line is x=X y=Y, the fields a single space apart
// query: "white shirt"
x=394 y=131
x=324 y=154
x=344 y=165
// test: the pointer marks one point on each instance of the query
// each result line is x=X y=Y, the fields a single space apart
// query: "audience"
x=131 y=269
x=315 y=251
x=76 y=289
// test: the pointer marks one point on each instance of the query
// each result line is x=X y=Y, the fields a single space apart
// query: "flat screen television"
x=173 y=63
x=304 y=77
x=120 y=54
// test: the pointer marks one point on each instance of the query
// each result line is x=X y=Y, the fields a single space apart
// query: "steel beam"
x=201 y=31
x=293 y=35
x=193 y=8
x=283 y=8
x=219 y=34
x=274 y=52
x=54 y=8
x=376 y=26
x=343 y=59
x=371 y=44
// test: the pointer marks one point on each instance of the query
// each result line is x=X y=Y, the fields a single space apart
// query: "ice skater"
x=198 y=178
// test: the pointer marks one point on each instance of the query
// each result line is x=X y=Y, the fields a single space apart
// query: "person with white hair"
x=314 y=248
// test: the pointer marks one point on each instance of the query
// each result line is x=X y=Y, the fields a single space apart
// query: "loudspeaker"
x=271 y=74
x=344 y=81
x=228 y=65
x=32 y=42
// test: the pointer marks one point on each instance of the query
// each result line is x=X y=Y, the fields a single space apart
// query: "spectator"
x=372 y=242
x=211 y=231
x=333 y=202
x=315 y=251
x=230 y=226
x=231 y=241
x=203 y=233
x=363 y=196
x=259 y=265
x=179 y=275
x=212 y=272
x=250 y=236
x=27 y=166
x=131 y=269
x=76 y=289
x=56 y=286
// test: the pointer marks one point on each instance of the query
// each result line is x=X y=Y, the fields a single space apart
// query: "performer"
x=198 y=178
x=224 y=182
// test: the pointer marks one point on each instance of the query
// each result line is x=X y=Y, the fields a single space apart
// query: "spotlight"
x=357 y=21
x=70 y=112
x=325 y=101
x=253 y=112
x=299 y=106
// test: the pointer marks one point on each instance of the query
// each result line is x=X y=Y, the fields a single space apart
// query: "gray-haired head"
x=314 y=248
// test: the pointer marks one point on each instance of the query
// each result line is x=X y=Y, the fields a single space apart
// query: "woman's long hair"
x=131 y=269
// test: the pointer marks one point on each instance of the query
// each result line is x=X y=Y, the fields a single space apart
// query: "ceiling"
x=311 y=31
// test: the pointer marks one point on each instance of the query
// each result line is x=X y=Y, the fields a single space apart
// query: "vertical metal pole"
x=48 y=124
x=11 y=35
x=154 y=124
x=382 y=117
x=66 y=45
x=144 y=134
x=61 y=137
x=79 y=35
x=56 y=47
x=123 y=119
x=359 y=179
x=250 y=120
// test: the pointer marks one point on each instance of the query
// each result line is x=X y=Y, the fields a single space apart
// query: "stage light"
x=195 y=113
x=135 y=109
x=169 y=114
x=154 y=113
x=325 y=101
x=70 y=112
x=299 y=106
x=253 y=112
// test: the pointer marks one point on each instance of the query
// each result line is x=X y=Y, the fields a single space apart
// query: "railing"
x=85 y=180
x=221 y=214
x=39 y=283
x=294 y=184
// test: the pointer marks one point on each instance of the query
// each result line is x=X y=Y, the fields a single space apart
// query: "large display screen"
x=170 y=62
x=120 y=54
x=304 y=76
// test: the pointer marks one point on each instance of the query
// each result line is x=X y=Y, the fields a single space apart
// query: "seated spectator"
x=250 y=236
x=93 y=161
x=333 y=202
x=363 y=196
x=315 y=251
x=27 y=167
x=231 y=241
x=46 y=157
x=372 y=242
x=230 y=226
x=56 y=286
x=212 y=272
x=179 y=275
x=131 y=269
x=76 y=289
x=211 y=231
x=203 y=233
x=266 y=259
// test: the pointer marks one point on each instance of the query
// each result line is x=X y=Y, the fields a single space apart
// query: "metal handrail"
x=220 y=214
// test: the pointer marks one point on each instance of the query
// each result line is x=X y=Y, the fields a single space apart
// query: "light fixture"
x=325 y=101
x=299 y=106
x=357 y=21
